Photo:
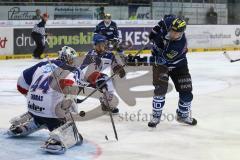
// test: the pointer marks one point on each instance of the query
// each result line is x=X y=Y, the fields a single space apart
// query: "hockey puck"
x=82 y=113
x=106 y=137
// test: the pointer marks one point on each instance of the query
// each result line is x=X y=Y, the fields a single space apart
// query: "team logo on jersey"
x=48 y=68
x=172 y=54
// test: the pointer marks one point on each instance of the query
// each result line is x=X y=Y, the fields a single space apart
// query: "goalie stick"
x=229 y=58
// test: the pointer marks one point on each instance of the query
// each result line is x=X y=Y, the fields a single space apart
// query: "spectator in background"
x=38 y=15
x=133 y=16
x=182 y=16
x=119 y=2
x=211 y=16
x=100 y=13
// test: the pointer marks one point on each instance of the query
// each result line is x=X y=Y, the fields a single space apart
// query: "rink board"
x=53 y=55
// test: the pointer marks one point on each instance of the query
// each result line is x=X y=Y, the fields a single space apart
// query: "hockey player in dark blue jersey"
x=109 y=29
x=170 y=49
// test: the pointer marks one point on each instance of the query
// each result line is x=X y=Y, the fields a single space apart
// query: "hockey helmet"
x=178 y=25
x=67 y=54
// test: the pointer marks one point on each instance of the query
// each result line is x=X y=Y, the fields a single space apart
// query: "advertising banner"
x=6 y=41
x=198 y=36
x=209 y=36
x=78 y=38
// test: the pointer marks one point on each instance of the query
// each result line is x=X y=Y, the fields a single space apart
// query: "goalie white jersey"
x=42 y=98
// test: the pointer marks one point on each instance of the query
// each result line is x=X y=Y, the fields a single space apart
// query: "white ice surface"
x=216 y=106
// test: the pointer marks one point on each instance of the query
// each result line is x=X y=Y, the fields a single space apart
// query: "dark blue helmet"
x=98 y=38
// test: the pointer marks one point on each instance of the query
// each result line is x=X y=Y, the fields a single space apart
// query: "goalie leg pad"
x=66 y=135
x=24 y=129
x=54 y=146
x=21 y=119
x=160 y=80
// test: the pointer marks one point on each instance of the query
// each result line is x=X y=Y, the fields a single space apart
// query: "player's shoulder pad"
x=57 y=62
x=28 y=73
x=101 y=23
x=113 y=23
x=40 y=64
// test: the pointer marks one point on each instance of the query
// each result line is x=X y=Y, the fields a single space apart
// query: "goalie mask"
x=67 y=54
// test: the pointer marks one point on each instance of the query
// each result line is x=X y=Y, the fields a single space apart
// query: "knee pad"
x=160 y=90
x=186 y=96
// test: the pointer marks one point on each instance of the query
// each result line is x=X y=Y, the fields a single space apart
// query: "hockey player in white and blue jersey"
x=101 y=59
x=37 y=84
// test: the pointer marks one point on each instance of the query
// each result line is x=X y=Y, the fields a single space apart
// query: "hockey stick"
x=119 y=47
x=229 y=58
x=113 y=75
x=110 y=114
x=75 y=129
x=123 y=45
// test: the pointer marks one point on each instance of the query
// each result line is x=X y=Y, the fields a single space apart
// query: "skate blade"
x=187 y=123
